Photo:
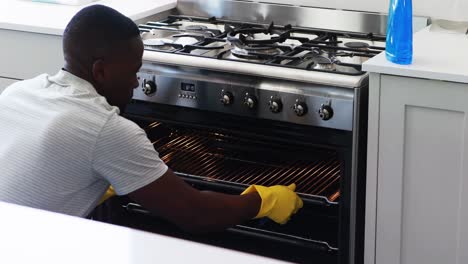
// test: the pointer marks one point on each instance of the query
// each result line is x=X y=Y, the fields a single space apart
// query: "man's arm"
x=127 y=160
x=193 y=210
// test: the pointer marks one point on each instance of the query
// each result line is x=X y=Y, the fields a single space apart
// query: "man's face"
x=120 y=74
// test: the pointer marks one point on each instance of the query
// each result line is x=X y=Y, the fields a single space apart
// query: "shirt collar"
x=65 y=78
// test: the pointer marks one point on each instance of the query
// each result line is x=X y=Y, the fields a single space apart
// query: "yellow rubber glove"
x=109 y=193
x=278 y=202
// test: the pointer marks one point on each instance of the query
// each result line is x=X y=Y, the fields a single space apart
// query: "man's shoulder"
x=93 y=117
x=37 y=81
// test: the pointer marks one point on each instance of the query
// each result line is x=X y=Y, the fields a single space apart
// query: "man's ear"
x=99 y=71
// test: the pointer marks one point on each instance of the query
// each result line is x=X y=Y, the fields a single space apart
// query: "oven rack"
x=237 y=162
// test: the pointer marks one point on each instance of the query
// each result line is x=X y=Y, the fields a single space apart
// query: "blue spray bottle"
x=399 y=45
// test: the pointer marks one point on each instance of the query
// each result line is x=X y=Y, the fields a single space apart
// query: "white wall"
x=4 y=83
x=456 y=10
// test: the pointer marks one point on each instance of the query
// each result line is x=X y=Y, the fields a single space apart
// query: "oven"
x=239 y=93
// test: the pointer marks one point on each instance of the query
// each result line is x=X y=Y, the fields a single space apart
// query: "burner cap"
x=357 y=45
x=196 y=27
x=323 y=63
x=158 y=44
x=255 y=53
x=322 y=60
x=263 y=50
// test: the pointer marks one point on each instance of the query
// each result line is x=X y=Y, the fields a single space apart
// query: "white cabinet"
x=26 y=54
x=31 y=33
x=417 y=179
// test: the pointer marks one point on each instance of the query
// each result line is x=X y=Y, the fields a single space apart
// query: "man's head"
x=104 y=47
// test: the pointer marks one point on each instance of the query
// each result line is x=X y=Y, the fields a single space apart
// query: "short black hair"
x=95 y=30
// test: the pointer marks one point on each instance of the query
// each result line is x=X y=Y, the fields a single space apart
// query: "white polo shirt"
x=62 y=144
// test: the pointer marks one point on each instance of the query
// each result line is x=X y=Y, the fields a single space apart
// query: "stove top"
x=274 y=45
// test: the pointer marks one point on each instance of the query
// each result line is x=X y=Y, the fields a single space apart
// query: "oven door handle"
x=283 y=238
x=136 y=208
x=258 y=233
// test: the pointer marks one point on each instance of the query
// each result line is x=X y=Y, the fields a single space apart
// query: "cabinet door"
x=422 y=203
x=24 y=55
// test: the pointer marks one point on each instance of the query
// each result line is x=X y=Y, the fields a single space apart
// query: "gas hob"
x=282 y=46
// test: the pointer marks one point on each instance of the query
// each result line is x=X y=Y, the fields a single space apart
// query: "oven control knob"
x=325 y=112
x=227 y=98
x=300 y=108
x=275 y=105
x=250 y=101
x=149 y=87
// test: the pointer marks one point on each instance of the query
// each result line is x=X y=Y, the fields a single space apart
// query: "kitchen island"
x=31 y=33
x=417 y=164
x=35 y=236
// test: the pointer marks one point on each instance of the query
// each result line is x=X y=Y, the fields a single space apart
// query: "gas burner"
x=323 y=63
x=163 y=40
x=197 y=36
x=256 y=52
x=256 y=35
x=352 y=57
x=257 y=38
x=356 y=45
x=159 y=44
x=196 y=27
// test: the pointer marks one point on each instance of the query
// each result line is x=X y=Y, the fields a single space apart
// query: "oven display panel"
x=187 y=87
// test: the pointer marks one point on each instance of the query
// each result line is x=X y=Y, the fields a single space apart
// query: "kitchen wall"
x=456 y=10
x=4 y=83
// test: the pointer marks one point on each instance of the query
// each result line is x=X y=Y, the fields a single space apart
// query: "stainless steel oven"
x=234 y=93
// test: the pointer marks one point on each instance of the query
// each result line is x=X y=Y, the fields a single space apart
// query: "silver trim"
x=264 y=231
x=341 y=80
x=202 y=89
x=354 y=175
x=342 y=20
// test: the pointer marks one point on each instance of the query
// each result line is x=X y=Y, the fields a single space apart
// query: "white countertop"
x=35 y=236
x=48 y=18
x=436 y=55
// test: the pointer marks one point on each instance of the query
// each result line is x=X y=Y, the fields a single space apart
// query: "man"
x=63 y=142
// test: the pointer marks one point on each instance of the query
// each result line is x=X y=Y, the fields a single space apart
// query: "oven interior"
x=223 y=157
x=227 y=153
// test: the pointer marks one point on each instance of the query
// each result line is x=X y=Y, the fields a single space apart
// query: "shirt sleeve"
x=125 y=157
